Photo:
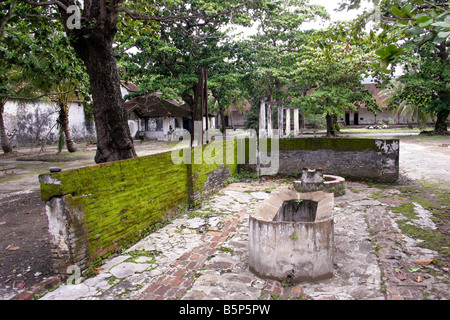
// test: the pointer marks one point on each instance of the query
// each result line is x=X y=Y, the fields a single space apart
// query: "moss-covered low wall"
x=119 y=202
x=358 y=159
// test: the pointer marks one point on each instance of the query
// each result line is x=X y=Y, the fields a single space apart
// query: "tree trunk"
x=280 y=110
x=114 y=141
x=330 y=126
x=64 y=123
x=93 y=43
x=6 y=146
x=222 y=119
x=303 y=119
x=443 y=113
x=441 y=122
x=231 y=119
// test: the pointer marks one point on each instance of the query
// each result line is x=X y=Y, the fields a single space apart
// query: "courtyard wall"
x=99 y=210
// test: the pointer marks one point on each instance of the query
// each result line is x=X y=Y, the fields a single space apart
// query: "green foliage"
x=335 y=72
x=169 y=61
x=418 y=33
x=252 y=119
x=270 y=54
x=418 y=21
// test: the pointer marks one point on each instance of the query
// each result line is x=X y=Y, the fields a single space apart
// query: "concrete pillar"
x=296 y=123
x=262 y=119
x=280 y=121
x=288 y=122
x=269 y=120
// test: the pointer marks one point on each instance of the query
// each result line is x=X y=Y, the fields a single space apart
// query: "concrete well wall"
x=292 y=251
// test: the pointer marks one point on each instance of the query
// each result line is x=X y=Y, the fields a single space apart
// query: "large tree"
x=39 y=65
x=170 y=61
x=272 y=52
x=92 y=34
x=414 y=26
x=335 y=72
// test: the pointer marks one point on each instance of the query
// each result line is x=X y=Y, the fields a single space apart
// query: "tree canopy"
x=162 y=45
x=414 y=35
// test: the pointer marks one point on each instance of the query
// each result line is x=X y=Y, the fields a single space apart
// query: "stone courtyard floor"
x=388 y=244
x=203 y=255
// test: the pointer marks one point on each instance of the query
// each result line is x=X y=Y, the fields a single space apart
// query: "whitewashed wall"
x=33 y=123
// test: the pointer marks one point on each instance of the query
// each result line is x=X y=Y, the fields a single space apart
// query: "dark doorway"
x=356 y=119
x=187 y=124
x=347 y=119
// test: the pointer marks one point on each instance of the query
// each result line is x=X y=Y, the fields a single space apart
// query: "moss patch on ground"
x=432 y=197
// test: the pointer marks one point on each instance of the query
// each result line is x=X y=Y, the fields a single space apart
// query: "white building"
x=152 y=117
x=35 y=123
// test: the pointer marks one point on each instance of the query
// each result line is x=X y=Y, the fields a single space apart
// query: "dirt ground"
x=25 y=257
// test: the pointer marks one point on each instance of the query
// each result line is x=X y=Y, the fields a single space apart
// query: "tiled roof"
x=152 y=106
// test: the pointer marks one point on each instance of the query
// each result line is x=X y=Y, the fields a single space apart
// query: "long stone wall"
x=359 y=159
x=96 y=211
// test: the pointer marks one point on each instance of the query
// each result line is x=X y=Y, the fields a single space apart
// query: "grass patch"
x=241 y=175
x=391 y=130
x=432 y=239
x=143 y=253
x=225 y=249
x=430 y=138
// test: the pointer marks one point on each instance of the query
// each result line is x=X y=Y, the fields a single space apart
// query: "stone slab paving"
x=203 y=256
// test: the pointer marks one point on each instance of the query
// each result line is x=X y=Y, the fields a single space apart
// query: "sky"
x=330 y=5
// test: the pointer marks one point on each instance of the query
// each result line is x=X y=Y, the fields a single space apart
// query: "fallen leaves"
x=400 y=274
x=414 y=269
x=96 y=270
x=425 y=262
x=13 y=248
x=21 y=285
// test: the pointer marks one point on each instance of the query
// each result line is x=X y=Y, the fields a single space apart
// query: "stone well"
x=292 y=236
x=315 y=180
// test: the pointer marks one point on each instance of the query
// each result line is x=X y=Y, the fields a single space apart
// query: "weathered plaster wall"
x=360 y=159
x=33 y=123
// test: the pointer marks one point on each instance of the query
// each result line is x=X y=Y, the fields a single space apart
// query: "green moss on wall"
x=335 y=144
x=212 y=157
x=121 y=200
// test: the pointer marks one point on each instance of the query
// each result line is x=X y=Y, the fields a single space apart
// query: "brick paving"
x=394 y=258
x=182 y=272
